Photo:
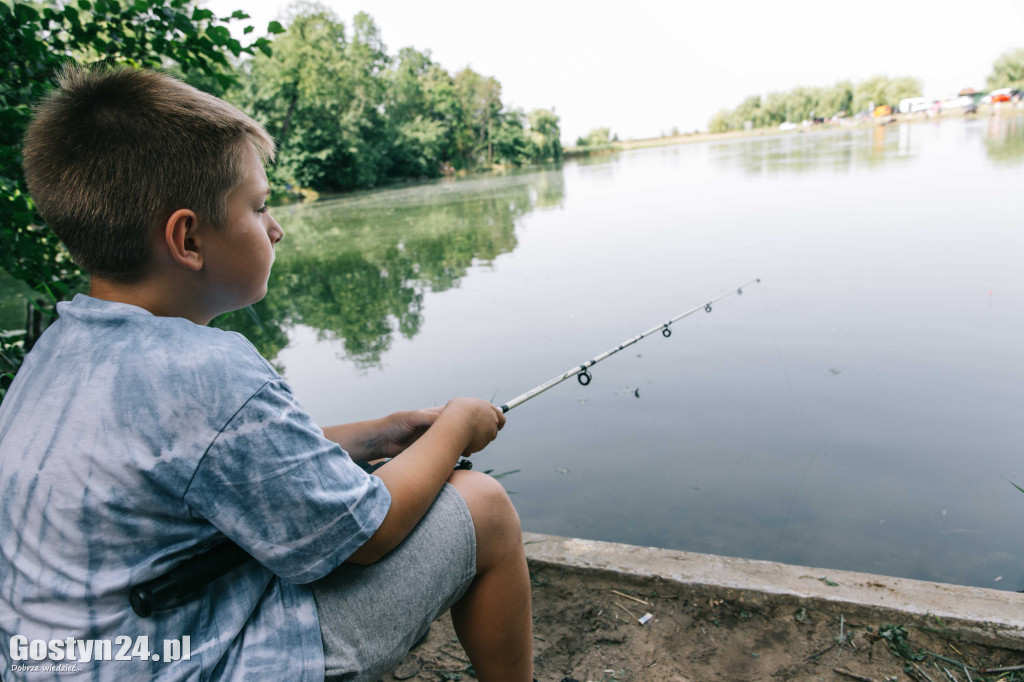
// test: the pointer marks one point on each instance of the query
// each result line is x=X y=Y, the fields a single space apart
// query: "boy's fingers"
x=427 y=416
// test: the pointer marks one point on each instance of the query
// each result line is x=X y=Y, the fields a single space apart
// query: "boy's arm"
x=384 y=437
x=464 y=426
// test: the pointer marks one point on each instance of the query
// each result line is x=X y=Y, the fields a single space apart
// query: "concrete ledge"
x=985 y=616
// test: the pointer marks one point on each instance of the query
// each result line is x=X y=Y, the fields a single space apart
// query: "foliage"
x=349 y=115
x=543 y=130
x=1008 y=71
x=721 y=122
x=598 y=137
x=321 y=109
x=422 y=113
x=836 y=99
x=806 y=103
x=480 y=101
x=37 y=40
x=880 y=90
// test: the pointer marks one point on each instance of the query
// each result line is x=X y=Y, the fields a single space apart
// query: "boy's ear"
x=181 y=235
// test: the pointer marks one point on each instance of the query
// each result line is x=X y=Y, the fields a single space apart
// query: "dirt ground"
x=586 y=629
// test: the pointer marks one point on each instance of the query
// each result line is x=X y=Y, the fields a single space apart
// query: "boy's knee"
x=494 y=517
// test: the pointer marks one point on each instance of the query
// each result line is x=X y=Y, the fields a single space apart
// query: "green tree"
x=1008 y=71
x=880 y=90
x=597 y=137
x=364 y=151
x=836 y=100
x=511 y=144
x=350 y=116
x=37 y=40
x=546 y=135
x=480 y=104
x=721 y=122
x=754 y=110
x=299 y=92
x=321 y=93
x=800 y=104
x=421 y=111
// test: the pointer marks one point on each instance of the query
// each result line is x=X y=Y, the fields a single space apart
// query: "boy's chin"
x=244 y=302
x=262 y=294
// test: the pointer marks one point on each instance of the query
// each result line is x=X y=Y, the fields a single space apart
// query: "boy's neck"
x=149 y=294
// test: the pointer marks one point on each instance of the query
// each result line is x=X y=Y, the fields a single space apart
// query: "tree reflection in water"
x=356 y=268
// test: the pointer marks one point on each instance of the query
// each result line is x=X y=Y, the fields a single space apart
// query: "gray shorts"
x=370 y=616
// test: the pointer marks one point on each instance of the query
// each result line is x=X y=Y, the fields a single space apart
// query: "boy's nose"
x=275 y=232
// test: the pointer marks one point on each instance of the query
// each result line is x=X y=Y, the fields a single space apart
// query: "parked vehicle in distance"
x=1000 y=95
x=957 y=102
x=913 y=105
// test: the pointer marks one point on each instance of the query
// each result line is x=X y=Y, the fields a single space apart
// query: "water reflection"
x=835 y=150
x=1004 y=139
x=846 y=150
x=356 y=269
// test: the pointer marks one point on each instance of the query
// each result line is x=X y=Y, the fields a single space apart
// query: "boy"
x=135 y=437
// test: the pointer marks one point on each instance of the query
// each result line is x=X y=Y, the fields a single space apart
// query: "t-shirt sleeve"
x=273 y=484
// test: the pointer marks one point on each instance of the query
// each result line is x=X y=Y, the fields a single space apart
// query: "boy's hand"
x=401 y=429
x=384 y=437
x=464 y=426
x=476 y=420
x=482 y=419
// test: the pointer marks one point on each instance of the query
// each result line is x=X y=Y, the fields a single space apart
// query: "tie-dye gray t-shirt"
x=129 y=442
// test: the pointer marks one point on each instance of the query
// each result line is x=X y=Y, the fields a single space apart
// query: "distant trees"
x=1008 y=71
x=881 y=90
x=544 y=131
x=597 y=137
x=803 y=103
x=349 y=115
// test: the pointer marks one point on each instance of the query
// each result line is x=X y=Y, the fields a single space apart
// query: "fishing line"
x=803 y=415
x=582 y=373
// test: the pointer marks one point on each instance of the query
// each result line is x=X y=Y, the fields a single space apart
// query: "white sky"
x=642 y=68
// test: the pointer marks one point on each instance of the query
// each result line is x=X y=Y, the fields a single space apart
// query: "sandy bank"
x=719 y=618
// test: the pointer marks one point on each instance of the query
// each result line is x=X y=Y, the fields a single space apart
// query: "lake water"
x=860 y=409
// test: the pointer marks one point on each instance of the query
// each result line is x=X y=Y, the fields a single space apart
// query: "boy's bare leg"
x=494 y=618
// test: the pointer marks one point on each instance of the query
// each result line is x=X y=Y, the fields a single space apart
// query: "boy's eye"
x=262 y=209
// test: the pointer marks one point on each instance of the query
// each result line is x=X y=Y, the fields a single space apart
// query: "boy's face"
x=238 y=256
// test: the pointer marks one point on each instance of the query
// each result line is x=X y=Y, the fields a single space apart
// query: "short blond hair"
x=114 y=151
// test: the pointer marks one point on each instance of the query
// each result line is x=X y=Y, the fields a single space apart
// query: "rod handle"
x=185 y=578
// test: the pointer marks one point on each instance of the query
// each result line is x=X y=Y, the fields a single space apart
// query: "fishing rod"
x=197 y=572
x=584 y=376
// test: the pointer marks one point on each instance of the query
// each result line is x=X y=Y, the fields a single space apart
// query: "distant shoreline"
x=984 y=110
